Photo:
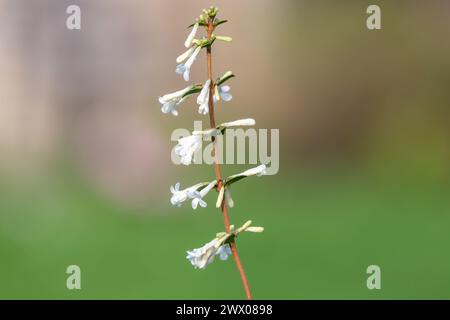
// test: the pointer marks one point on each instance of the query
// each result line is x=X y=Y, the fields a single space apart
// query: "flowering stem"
x=223 y=206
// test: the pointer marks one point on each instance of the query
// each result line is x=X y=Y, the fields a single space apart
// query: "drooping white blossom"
x=203 y=98
x=185 y=68
x=187 y=146
x=179 y=196
x=191 y=36
x=201 y=257
x=172 y=100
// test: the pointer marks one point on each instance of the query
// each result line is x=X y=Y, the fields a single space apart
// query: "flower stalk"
x=210 y=93
x=223 y=206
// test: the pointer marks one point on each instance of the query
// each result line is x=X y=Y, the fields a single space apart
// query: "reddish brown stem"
x=226 y=218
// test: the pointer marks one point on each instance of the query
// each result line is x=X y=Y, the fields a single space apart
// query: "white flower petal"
x=237 y=123
x=179 y=196
x=185 y=55
x=187 y=146
x=225 y=88
x=191 y=36
x=192 y=58
x=226 y=96
x=208 y=188
x=172 y=100
x=186 y=75
x=203 y=256
x=204 y=94
x=194 y=203
x=258 y=171
x=223 y=252
x=174 y=95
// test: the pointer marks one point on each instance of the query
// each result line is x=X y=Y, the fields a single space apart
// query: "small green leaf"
x=195 y=89
x=209 y=42
x=232 y=179
x=201 y=23
x=219 y=22
x=224 y=78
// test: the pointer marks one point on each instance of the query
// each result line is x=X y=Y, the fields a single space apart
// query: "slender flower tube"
x=179 y=196
x=203 y=98
x=172 y=100
x=258 y=171
x=185 y=55
x=201 y=257
x=191 y=36
x=198 y=195
x=185 y=68
x=238 y=123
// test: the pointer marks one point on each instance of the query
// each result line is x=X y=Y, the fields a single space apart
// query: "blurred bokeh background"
x=85 y=170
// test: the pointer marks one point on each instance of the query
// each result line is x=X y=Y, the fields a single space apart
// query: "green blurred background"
x=85 y=170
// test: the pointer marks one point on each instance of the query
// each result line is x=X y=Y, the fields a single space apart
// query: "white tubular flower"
x=172 y=100
x=179 y=196
x=198 y=195
x=185 y=55
x=191 y=36
x=258 y=171
x=187 y=146
x=185 y=68
x=203 y=98
x=239 y=123
x=203 y=256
